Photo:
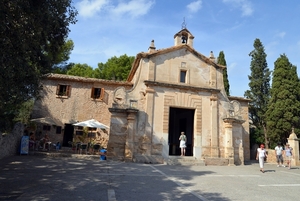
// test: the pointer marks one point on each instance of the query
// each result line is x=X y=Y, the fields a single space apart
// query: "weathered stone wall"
x=271 y=156
x=118 y=134
x=244 y=114
x=10 y=143
x=79 y=106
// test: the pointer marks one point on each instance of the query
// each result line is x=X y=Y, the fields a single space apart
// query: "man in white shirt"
x=278 y=152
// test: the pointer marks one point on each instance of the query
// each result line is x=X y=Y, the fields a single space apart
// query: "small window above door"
x=183 y=76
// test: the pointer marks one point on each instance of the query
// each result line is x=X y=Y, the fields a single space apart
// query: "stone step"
x=184 y=160
x=63 y=154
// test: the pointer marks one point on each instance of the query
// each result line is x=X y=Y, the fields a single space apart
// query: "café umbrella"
x=92 y=123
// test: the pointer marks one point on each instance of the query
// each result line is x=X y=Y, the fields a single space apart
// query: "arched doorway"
x=181 y=120
x=68 y=134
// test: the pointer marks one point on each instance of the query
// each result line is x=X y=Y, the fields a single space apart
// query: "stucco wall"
x=78 y=107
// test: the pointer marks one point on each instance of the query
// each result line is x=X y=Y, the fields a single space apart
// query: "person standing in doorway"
x=288 y=155
x=260 y=156
x=279 y=157
x=182 y=145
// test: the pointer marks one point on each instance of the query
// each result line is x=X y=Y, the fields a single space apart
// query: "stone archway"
x=181 y=120
x=185 y=101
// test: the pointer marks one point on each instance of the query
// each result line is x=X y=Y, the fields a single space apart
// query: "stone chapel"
x=168 y=91
x=175 y=90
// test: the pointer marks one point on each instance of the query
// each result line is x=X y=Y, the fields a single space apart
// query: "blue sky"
x=108 y=28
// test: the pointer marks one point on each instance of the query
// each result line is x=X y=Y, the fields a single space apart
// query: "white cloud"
x=88 y=8
x=231 y=66
x=193 y=7
x=280 y=35
x=244 y=5
x=133 y=8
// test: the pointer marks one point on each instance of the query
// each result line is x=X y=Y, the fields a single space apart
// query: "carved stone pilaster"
x=130 y=145
x=229 y=149
x=294 y=144
x=215 y=150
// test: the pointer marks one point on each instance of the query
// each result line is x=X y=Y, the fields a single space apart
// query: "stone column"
x=240 y=160
x=214 y=126
x=131 y=130
x=229 y=149
x=118 y=134
x=294 y=143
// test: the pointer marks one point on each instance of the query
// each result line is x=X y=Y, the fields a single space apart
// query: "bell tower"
x=184 y=37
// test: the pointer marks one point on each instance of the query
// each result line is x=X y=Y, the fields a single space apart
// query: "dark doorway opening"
x=68 y=134
x=181 y=120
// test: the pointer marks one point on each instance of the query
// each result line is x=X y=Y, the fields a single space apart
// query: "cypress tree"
x=259 y=93
x=284 y=108
x=222 y=61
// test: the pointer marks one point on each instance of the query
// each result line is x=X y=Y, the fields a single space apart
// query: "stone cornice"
x=238 y=98
x=180 y=86
x=122 y=109
x=233 y=120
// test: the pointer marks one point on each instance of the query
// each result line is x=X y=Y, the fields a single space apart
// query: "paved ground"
x=64 y=178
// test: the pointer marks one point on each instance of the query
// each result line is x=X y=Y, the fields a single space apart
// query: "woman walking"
x=182 y=145
x=260 y=156
x=288 y=155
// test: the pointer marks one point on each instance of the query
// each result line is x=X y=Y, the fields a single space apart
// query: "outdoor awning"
x=92 y=123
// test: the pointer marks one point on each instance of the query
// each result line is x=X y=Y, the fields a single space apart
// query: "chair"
x=77 y=148
x=70 y=143
x=96 y=148
x=56 y=146
x=83 y=147
x=47 y=146
x=31 y=144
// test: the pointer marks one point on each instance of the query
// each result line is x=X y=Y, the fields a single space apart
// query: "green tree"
x=284 y=107
x=31 y=35
x=259 y=92
x=24 y=112
x=115 y=68
x=222 y=61
x=82 y=70
x=61 y=66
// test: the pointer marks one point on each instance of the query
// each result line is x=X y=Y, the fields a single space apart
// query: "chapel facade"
x=176 y=90
x=168 y=91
